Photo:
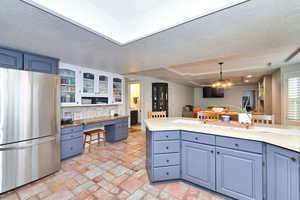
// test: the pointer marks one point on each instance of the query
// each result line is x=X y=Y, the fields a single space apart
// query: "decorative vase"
x=245 y=118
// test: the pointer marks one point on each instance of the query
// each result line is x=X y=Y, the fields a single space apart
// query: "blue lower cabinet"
x=71 y=142
x=117 y=132
x=11 y=59
x=282 y=174
x=198 y=164
x=239 y=174
x=40 y=64
x=166 y=173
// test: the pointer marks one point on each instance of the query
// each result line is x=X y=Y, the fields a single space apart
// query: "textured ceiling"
x=254 y=29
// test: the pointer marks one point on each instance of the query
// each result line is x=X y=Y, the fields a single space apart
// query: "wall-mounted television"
x=209 y=92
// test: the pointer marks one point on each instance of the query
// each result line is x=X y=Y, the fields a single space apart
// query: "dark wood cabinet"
x=160 y=97
x=134 y=117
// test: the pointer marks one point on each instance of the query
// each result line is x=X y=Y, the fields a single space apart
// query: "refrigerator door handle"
x=27 y=144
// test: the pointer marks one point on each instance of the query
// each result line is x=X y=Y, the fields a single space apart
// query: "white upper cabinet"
x=88 y=82
x=69 y=85
x=117 y=89
x=86 y=87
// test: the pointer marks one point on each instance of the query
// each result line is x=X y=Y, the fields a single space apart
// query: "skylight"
x=124 y=21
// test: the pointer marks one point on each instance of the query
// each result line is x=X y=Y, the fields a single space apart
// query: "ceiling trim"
x=293 y=54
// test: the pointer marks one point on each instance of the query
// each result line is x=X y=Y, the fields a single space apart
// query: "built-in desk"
x=72 y=134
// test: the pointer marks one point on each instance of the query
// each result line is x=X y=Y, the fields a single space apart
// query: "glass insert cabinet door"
x=102 y=86
x=68 y=86
x=117 y=90
x=88 y=83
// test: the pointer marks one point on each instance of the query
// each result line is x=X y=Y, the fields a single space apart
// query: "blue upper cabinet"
x=11 y=59
x=282 y=174
x=198 y=164
x=239 y=174
x=40 y=64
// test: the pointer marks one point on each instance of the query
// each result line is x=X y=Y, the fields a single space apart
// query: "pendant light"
x=221 y=83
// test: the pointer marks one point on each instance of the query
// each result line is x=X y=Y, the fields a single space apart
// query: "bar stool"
x=91 y=134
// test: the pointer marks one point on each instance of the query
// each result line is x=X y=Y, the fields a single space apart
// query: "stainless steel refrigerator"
x=29 y=127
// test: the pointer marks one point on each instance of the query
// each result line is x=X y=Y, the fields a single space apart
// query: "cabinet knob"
x=167 y=136
x=211 y=151
x=218 y=152
x=167 y=147
x=167 y=173
x=236 y=145
x=167 y=161
x=293 y=159
x=196 y=138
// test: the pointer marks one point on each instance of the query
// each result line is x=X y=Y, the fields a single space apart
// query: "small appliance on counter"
x=66 y=121
x=225 y=118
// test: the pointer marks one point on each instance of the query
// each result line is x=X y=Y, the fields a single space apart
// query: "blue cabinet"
x=282 y=174
x=15 y=59
x=239 y=174
x=117 y=131
x=40 y=64
x=198 y=164
x=11 y=59
x=71 y=141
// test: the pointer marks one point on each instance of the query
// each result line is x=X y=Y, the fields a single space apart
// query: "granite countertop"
x=283 y=136
x=93 y=120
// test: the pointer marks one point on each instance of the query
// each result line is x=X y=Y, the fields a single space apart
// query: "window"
x=293 y=98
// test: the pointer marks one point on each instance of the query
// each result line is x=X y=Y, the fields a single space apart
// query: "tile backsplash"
x=78 y=113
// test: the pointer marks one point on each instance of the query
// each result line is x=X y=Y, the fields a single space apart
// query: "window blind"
x=293 y=107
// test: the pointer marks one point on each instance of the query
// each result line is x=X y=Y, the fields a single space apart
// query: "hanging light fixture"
x=221 y=83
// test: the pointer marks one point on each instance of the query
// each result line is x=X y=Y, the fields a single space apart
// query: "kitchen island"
x=247 y=164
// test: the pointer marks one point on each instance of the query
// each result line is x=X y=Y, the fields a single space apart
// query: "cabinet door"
x=69 y=85
x=102 y=81
x=239 y=174
x=283 y=174
x=88 y=83
x=11 y=59
x=40 y=64
x=198 y=164
x=117 y=90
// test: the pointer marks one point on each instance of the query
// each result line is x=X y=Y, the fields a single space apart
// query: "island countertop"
x=286 y=137
x=93 y=120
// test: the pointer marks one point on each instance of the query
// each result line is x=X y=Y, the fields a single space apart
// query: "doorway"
x=134 y=92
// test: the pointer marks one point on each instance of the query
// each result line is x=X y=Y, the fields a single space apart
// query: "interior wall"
x=179 y=96
x=232 y=97
x=276 y=96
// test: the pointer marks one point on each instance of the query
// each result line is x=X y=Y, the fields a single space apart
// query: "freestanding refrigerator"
x=29 y=127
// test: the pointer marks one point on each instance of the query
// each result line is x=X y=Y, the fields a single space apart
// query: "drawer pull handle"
x=167 y=161
x=167 y=173
x=167 y=147
x=236 y=145
x=293 y=159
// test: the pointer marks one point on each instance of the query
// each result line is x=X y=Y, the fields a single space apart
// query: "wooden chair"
x=207 y=115
x=91 y=134
x=263 y=119
x=161 y=114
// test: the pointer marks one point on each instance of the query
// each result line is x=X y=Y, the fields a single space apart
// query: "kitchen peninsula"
x=246 y=164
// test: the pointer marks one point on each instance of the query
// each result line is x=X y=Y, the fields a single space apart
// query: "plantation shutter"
x=293 y=96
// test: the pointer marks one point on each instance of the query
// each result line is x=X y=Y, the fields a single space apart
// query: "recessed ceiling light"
x=246 y=81
x=249 y=76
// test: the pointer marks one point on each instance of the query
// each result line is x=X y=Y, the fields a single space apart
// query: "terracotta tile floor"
x=115 y=171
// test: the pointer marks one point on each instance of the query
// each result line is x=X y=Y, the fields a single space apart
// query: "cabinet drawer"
x=166 y=146
x=71 y=136
x=239 y=144
x=71 y=148
x=166 y=135
x=71 y=130
x=198 y=137
x=166 y=173
x=166 y=159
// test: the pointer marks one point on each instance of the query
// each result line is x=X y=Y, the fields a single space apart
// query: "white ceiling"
x=129 y=20
x=248 y=35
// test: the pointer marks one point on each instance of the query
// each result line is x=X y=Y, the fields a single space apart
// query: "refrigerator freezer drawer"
x=28 y=161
